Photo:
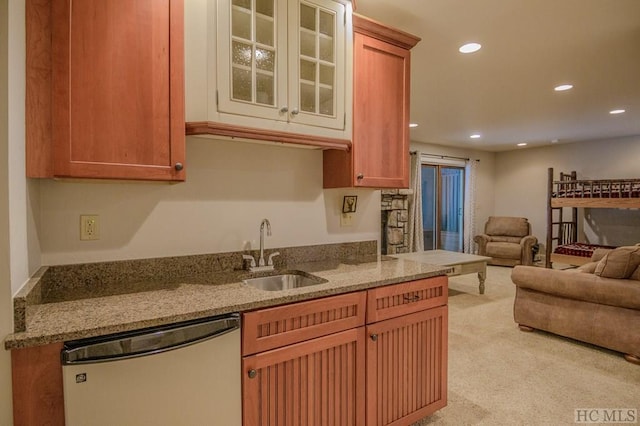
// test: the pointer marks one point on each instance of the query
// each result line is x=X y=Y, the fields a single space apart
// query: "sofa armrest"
x=572 y=284
x=482 y=240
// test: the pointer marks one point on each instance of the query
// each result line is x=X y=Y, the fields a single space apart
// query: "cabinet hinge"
x=344 y=121
x=217 y=104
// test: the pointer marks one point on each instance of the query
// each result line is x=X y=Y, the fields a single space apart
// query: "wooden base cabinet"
x=317 y=363
x=407 y=367
x=407 y=349
x=316 y=382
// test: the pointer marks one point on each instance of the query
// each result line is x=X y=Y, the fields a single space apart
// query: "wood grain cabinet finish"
x=379 y=156
x=316 y=382
x=37 y=386
x=407 y=367
x=284 y=325
x=105 y=96
x=303 y=360
x=395 y=300
x=407 y=351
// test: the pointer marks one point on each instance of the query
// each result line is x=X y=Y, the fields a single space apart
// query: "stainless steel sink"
x=286 y=281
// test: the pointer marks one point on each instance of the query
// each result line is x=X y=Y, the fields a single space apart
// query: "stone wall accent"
x=395 y=220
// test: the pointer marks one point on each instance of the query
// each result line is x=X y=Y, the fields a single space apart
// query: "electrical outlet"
x=346 y=219
x=89 y=227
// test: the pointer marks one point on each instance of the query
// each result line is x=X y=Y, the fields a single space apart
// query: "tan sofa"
x=507 y=241
x=598 y=303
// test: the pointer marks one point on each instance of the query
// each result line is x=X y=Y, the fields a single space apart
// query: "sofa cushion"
x=579 y=286
x=503 y=250
x=507 y=226
x=589 y=268
x=636 y=274
x=599 y=253
x=619 y=263
x=502 y=239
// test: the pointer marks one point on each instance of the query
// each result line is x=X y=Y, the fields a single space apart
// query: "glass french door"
x=442 y=207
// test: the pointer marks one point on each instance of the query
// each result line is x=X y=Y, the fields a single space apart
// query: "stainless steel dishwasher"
x=182 y=374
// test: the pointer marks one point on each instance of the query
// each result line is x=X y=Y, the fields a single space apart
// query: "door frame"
x=439 y=163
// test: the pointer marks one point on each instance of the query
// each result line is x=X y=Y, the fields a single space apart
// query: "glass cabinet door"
x=253 y=51
x=252 y=57
x=282 y=60
x=314 y=85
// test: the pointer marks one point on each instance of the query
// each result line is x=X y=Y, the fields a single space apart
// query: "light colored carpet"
x=499 y=375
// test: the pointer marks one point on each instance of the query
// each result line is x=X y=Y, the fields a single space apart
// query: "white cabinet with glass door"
x=282 y=65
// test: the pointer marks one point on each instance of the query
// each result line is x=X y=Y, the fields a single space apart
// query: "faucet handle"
x=249 y=257
x=271 y=256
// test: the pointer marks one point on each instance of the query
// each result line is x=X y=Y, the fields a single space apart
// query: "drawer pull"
x=252 y=374
x=413 y=298
x=374 y=337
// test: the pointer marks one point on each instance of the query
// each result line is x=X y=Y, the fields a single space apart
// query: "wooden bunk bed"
x=569 y=193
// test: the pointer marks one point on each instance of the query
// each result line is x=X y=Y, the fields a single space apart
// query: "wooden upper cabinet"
x=116 y=89
x=379 y=157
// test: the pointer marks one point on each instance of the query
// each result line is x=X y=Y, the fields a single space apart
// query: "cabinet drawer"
x=406 y=298
x=283 y=325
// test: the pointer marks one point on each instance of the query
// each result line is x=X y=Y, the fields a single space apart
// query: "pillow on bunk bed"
x=619 y=263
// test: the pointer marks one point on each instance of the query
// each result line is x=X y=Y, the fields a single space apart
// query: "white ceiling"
x=505 y=90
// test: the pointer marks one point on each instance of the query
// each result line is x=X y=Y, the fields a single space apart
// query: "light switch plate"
x=89 y=227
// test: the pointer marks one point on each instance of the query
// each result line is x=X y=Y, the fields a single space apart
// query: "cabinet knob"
x=374 y=337
x=294 y=111
x=360 y=176
x=252 y=374
x=179 y=166
x=284 y=109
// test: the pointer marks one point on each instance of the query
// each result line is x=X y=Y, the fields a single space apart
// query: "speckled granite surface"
x=199 y=293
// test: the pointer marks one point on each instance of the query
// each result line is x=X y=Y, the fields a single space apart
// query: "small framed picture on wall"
x=349 y=203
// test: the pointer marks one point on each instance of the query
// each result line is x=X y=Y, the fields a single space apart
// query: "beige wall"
x=521 y=185
x=485 y=177
x=230 y=187
x=6 y=318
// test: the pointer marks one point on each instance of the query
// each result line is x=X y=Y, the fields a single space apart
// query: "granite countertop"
x=198 y=297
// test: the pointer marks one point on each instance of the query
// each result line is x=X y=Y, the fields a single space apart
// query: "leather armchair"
x=507 y=240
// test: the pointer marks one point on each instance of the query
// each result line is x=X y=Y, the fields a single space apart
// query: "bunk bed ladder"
x=560 y=230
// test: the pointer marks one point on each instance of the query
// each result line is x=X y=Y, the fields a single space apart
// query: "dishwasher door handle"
x=147 y=342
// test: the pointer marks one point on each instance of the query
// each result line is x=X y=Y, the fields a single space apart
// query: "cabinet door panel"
x=407 y=367
x=252 y=58
x=401 y=299
x=317 y=67
x=317 y=382
x=283 y=325
x=118 y=89
x=381 y=113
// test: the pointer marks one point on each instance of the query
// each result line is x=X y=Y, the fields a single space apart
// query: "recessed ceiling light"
x=475 y=136
x=413 y=124
x=522 y=144
x=563 y=87
x=616 y=111
x=470 y=47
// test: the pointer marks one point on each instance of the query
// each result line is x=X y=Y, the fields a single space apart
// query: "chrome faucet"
x=262 y=266
x=264 y=221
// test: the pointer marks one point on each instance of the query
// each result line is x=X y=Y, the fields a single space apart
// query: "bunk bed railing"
x=601 y=188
